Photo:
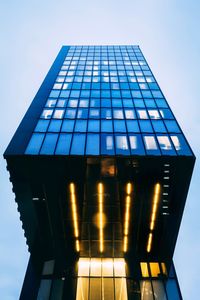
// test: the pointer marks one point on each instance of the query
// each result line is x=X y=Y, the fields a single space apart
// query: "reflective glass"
x=146 y=290
x=122 y=147
x=145 y=126
x=35 y=143
x=119 y=126
x=49 y=144
x=132 y=126
x=47 y=113
x=172 y=290
x=158 y=126
x=107 y=144
x=67 y=126
x=42 y=125
x=81 y=126
x=63 y=145
x=94 y=125
x=92 y=146
x=78 y=144
x=55 y=125
x=172 y=126
x=136 y=144
x=106 y=126
x=180 y=144
x=159 y=291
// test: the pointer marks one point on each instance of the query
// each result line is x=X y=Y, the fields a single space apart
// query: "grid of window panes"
x=106 y=101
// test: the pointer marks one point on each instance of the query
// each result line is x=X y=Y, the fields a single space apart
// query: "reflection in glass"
x=146 y=290
x=49 y=143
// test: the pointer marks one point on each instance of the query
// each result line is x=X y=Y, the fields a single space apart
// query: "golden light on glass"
x=149 y=244
x=127 y=215
x=74 y=214
x=101 y=216
x=155 y=205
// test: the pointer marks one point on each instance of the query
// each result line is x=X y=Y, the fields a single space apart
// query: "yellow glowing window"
x=95 y=267
x=107 y=267
x=83 y=267
x=119 y=267
x=144 y=269
x=155 y=270
x=164 y=269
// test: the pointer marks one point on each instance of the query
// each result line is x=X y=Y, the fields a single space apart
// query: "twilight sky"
x=32 y=33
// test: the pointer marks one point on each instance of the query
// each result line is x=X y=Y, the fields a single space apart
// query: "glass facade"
x=107 y=98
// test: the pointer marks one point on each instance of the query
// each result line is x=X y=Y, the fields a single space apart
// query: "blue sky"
x=32 y=33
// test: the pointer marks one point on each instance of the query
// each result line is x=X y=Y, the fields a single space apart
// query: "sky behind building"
x=33 y=33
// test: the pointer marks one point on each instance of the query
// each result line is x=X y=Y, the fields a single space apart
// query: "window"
x=118 y=114
x=165 y=145
x=144 y=269
x=146 y=290
x=67 y=126
x=70 y=113
x=145 y=126
x=92 y=146
x=142 y=114
x=159 y=291
x=136 y=144
x=150 y=144
x=81 y=126
x=47 y=113
x=106 y=113
x=42 y=125
x=132 y=126
x=55 y=125
x=78 y=144
x=93 y=125
x=51 y=103
x=49 y=144
x=155 y=269
x=63 y=145
x=172 y=126
x=154 y=114
x=107 y=144
x=172 y=290
x=35 y=143
x=58 y=113
x=94 y=113
x=119 y=126
x=61 y=103
x=158 y=126
x=72 y=103
x=180 y=144
x=82 y=113
x=121 y=144
x=166 y=114
x=106 y=126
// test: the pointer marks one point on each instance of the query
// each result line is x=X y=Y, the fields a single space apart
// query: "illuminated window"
x=150 y=143
x=144 y=269
x=155 y=269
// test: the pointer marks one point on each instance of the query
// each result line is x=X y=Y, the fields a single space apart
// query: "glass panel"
x=172 y=290
x=132 y=126
x=55 y=125
x=150 y=143
x=44 y=289
x=180 y=145
x=47 y=113
x=165 y=144
x=93 y=125
x=142 y=114
x=121 y=144
x=145 y=126
x=164 y=269
x=82 y=288
x=78 y=144
x=48 y=267
x=159 y=291
x=172 y=126
x=119 y=126
x=63 y=145
x=58 y=113
x=106 y=113
x=42 y=125
x=81 y=126
x=136 y=144
x=67 y=126
x=119 y=267
x=154 y=114
x=159 y=126
x=144 y=269
x=49 y=144
x=120 y=289
x=118 y=114
x=155 y=270
x=95 y=267
x=70 y=113
x=106 y=126
x=107 y=144
x=166 y=114
x=83 y=266
x=82 y=113
x=61 y=103
x=51 y=103
x=130 y=114
x=57 y=289
x=108 y=288
x=95 y=288
x=34 y=143
x=146 y=290
x=92 y=147
x=107 y=267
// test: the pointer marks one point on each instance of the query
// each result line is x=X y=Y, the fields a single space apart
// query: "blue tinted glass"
x=95 y=93
x=127 y=103
x=119 y=126
x=35 y=143
x=132 y=126
x=42 y=125
x=166 y=114
x=146 y=94
x=157 y=94
x=150 y=103
x=161 y=103
x=105 y=103
x=139 y=103
x=54 y=94
x=121 y=143
x=105 y=93
x=106 y=113
x=151 y=145
x=93 y=125
x=107 y=144
x=136 y=145
x=55 y=125
x=106 y=126
x=126 y=93
x=92 y=146
x=180 y=144
x=67 y=126
x=64 y=94
x=63 y=145
x=158 y=126
x=49 y=144
x=83 y=103
x=82 y=113
x=94 y=103
x=145 y=126
x=75 y=94
x=172 y=126
x=78 y=144
x=116 y=102
x=81 y=126
x=136 y=94
x=172 y=290
x=70 y=113
x=165 y=145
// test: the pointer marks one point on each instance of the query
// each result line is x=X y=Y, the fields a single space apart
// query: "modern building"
x=101 y=170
